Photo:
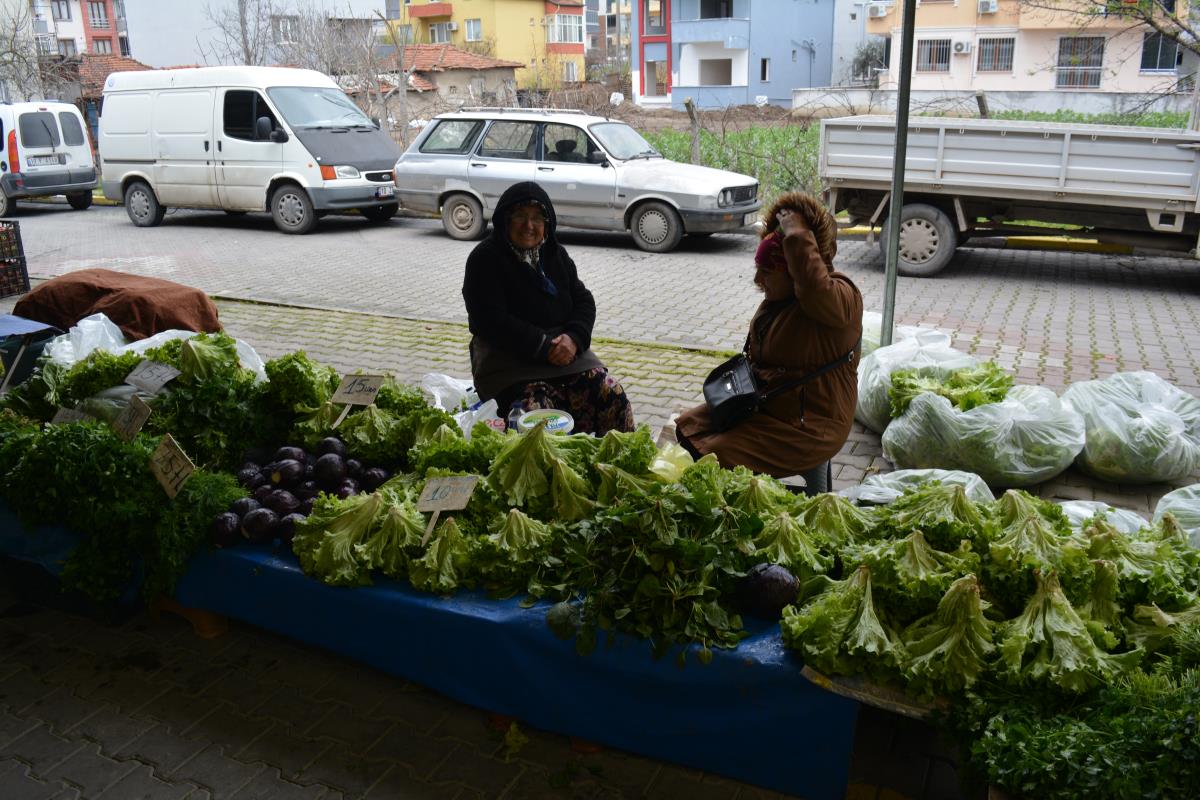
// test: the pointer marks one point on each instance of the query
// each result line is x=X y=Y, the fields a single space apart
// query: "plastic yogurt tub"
x=556 y=421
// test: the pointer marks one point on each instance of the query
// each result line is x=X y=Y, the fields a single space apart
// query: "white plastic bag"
x=1080 y=511
x=872 y=329
x=449 y=393
x=884 y=488
x=1140 y=428
x=1184 y=505
x=247 y=356
x=480 y=412
x=929 y=351
x=96 y=332
x=1027 y=438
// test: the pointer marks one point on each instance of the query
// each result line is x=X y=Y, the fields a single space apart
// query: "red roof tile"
x=95 y=69
x=441 y=57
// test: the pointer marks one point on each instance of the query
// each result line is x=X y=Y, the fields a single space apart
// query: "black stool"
x=817 y=480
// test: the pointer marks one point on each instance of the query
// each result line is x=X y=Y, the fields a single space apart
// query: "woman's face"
x=775 y=283
x=526 y=226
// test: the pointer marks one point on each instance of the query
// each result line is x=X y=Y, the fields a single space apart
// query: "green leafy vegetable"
x=948 y=650
x=965 y=388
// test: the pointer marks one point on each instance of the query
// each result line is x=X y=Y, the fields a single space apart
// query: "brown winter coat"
x=821 y=324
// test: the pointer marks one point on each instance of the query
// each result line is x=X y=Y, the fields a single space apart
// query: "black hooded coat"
x=512 y=318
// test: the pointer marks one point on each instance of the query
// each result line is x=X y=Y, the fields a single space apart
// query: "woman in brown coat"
x=810 y=316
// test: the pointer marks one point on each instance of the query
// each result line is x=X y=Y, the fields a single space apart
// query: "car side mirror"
x=279 y=136
x=263 y=128
x=375 y=122
x=597 y=157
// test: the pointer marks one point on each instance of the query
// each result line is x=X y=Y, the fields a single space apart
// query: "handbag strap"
x=792 y=384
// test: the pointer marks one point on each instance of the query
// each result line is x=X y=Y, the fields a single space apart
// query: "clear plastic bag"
x=449 y=393
x=95 y=332
x=480 y=412
x=1080 y=511
x=1184 y=505
x=884 y=488
x=872 y=329
x=1025 y=439
x=1140 y=428
x=928 y=351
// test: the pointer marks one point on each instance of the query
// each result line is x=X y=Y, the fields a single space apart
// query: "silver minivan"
x=600 y=173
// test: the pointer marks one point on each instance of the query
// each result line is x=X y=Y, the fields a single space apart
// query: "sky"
x=168 y=33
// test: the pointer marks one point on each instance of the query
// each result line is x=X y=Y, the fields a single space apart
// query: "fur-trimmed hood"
x=820 y=221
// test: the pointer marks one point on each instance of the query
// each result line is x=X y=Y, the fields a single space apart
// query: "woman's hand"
x=790 y=222
x=562 y=350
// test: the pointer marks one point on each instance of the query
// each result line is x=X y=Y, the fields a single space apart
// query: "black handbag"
x=732 y=393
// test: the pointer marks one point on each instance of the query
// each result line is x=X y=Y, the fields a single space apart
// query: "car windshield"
x=622 y=141
x=315 y=107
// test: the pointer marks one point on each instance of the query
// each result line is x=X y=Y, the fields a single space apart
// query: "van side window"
x=242 y=108
x=567 y=143
x=452 y=136
x=38 y=129
x=509 y=140
x=72 y=131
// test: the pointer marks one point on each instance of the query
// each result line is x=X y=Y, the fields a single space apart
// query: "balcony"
x=430 y=10
x=99 y=23
x=734 y=33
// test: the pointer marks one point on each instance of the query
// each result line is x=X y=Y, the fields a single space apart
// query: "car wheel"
x=462 y=217
x=656 y=227
x=80 y=201
x=142 y=206
x=927 y=241
x=8 y=206
x=292 y=209
x=380 y=213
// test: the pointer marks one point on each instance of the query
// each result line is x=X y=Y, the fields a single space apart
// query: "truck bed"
x=1134 y=167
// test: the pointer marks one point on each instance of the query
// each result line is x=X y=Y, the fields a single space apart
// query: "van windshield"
x=315 y=107
x=622 y=141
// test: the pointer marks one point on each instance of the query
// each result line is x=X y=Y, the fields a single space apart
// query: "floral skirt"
x=594 y=398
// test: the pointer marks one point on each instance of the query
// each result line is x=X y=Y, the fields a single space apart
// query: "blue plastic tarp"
x=749 y=714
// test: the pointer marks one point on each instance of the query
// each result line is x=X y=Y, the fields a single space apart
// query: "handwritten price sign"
x=445 y=494
x=171 y=465
x=358 y=390
x=150 y=376
x=131 y=419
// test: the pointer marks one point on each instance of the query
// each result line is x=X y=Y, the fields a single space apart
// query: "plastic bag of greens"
x=872 y=326
x=1140 y=428
x=1184 y=505
x=1078 y=512
x=884 y=488
x=1026 y=438
x=929 y=352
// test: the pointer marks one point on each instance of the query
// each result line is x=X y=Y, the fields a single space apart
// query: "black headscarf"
x=514 y=197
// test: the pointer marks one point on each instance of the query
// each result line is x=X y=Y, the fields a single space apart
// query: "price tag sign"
x=67 y=415
x=445 y=494
x=358 y=390
x=171 y=465
x=150 y=376
x=131 y=419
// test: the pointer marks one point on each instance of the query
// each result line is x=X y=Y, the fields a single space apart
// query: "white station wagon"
x=600 y=173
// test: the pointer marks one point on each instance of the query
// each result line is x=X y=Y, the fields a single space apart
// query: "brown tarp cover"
x=139 y=306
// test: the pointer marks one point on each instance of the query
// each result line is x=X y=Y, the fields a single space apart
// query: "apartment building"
x=608 y=36
x=715 y=52
x=546 y=37
x=73 y=27
x=1007 y=45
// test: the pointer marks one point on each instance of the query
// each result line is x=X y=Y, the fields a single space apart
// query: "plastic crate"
x=14 y=275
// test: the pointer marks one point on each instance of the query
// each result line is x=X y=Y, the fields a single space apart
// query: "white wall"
x=848 y=34
x=691 y=54
x=838 y=101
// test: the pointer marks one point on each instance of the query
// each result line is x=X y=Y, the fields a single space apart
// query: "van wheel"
x=80 y=201
x=927 y=241
x=656 y=227
x=8 y=206
x=380 y=213
x=462 y=217
x=142 y=206
x=292 y=209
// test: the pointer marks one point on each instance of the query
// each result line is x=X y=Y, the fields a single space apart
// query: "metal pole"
x=908 y=28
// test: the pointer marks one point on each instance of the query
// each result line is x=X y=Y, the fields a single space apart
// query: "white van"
x=45 y=152
x=287 y=141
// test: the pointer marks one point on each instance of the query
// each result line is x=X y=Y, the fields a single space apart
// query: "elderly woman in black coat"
x=531 y=320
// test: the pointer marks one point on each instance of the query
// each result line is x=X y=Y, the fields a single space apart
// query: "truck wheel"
x=656 y=227
x=462 y=217
x=142 y=206
x=292 y=209
x=927 y=241
x=80 y=201
x=380 y=213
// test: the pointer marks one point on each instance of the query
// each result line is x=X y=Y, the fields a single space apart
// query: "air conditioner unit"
x=961 y=48
x=452 y=26
x=989 y=6
x=877 y=10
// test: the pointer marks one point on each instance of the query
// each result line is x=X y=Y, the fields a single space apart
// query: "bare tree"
x=246 y=31
x=25 y=72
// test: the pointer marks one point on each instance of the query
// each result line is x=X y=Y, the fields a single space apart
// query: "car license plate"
x=385 y=192
x=41 y=161
x=750 y=218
